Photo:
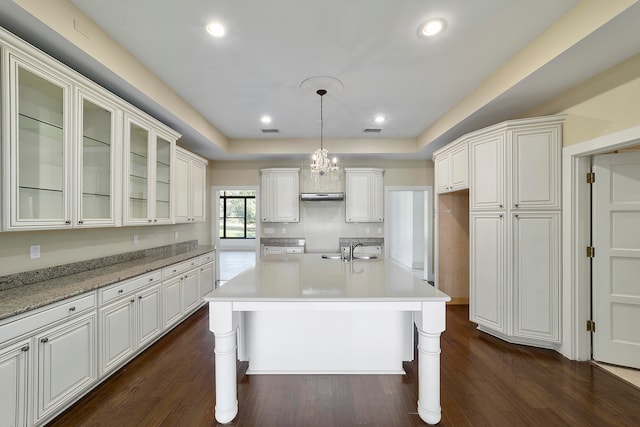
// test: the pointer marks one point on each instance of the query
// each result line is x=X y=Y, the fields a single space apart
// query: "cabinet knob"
x=25 y=348
x=44 y=340
x=132 y=300
x=81 y=222
x=151 y=279
x=515 y=206
x=68 y=222
x=499 y=206
x=155 y=220
x=150 y=220
x=120 y=291
x=500 y=216
x=72 y=309
x=139 y=296
x=516 y=216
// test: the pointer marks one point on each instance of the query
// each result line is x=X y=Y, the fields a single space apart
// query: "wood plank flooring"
x=485 y=382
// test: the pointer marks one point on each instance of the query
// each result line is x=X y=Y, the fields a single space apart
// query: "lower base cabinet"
x=65 y=363
x=50 y=358
x=14 y=377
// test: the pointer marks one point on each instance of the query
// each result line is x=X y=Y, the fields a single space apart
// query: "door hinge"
x=591 y=326
x=591 y=252
x=591 y=177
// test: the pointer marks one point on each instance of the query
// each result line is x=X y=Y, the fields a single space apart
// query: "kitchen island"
x=306 y=314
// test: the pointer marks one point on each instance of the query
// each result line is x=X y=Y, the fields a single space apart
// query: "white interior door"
x=616 y=266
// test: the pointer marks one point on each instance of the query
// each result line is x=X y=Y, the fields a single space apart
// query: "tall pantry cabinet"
x=514 y=205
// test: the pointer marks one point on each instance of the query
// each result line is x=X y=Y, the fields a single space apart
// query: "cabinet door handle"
x=150 y=220
x=132 y=300
x=25 y=348
x=120 y=291
x=72 y=309
x=499 y=206
x=151 y=279
x=155 y=220
x=516 y=215
x=68 y=222
x=500 y=216
x=139 y=296
x=44 y=340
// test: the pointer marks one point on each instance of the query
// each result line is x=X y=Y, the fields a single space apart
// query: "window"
x=238 y=214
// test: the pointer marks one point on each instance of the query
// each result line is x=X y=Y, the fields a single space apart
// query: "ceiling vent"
x=372 y=130
x=270 y=131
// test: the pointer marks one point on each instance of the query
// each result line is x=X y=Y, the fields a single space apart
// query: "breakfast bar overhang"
x=297 y=314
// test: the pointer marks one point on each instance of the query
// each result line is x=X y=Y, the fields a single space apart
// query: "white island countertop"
x=301 y=313
x=309 y=277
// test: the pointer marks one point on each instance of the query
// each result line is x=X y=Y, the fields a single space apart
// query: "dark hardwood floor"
x=485 y=382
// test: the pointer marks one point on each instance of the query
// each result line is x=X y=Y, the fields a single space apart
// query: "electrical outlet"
x=366 y=230
x=284 y=230
x=379 y=230
x=135 y=239
x=175 y=235
x=269 y=230
x=34 y=251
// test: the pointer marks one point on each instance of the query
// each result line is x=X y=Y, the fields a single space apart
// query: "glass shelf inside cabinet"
x=96 y=161
x=40 y=148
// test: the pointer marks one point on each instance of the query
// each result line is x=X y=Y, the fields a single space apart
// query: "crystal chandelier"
x=321 y=166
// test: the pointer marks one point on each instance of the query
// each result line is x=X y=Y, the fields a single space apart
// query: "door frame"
x=428 y=223
x=576 y=220
x=215 y=215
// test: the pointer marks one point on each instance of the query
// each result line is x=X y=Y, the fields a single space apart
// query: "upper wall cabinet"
x=280 y=195
x=98 y=151
x=364 y=195
x=38 y=155
x=149 y=156
x=451 y=168
x=190 y=179
x=66 y=145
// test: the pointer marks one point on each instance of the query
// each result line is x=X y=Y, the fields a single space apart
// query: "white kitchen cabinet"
x=191 y=291
x=15 y=374
x=452 y=168
x=116 y=334
x=281 y=250
x=364 y=195
x=150 y=154
x=190 y=179
x=536 y=275
x=488 y=169
x=181 y=290
x=131 y=318
x=37 y=192
x=487 y=270
x=515 y=228
x=535 y=163
x=65 y=363
x=207 y=278
x=172 y=301
x=280 y=195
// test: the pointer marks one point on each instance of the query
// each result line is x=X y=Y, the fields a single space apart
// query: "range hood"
x=321 y=197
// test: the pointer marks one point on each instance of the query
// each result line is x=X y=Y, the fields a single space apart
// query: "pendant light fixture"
x=321 y=166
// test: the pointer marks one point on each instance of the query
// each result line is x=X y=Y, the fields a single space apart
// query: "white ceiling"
x=371 y=46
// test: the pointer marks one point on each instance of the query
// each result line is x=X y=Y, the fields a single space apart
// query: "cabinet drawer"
x=60 y=311
x=129 y=286
x=175 y=269
x=207 y=258
x=295 y=250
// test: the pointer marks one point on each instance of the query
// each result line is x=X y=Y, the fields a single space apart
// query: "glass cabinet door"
x=96 y=153
x=138 y=209
x=163 y=180
x=40 y=141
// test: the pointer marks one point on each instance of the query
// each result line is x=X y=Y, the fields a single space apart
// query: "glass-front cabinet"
x=39 y=148
x=149 y=156
x=98 y=151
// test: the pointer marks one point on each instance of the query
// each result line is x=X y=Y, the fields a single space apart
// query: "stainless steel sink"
x=332 y=256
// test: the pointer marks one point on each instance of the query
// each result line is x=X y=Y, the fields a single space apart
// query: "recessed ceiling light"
x=216 y=29
x=265 y=119
x=379 y=119
x=431 y=27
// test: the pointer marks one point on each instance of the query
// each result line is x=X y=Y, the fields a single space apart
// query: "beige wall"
x=607 y=103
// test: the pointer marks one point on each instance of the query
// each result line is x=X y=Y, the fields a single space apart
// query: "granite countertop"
x=309 y=278
x=27 y=297
x=283 y=241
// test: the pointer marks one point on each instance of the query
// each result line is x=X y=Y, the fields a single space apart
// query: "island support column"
x=430 y=322
x=223 y=324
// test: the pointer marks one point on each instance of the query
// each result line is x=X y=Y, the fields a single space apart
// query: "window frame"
x=223 y=217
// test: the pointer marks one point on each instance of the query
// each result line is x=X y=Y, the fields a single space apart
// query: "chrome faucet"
x=353 y=248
